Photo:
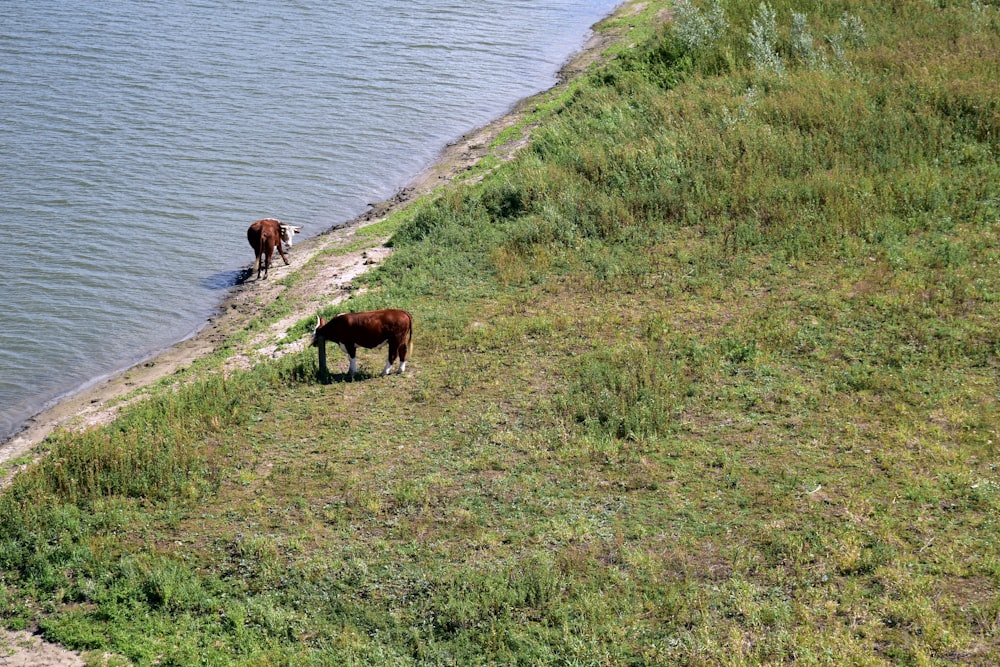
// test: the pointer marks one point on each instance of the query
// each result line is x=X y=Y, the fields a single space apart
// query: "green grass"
x=707 y=375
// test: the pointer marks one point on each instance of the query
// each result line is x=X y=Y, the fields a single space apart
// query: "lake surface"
x=138 y=141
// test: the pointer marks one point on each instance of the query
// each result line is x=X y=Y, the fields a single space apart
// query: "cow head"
x=319 y=323
x=287 y=232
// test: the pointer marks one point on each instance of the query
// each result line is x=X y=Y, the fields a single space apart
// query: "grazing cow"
x=370 y=329
x=266 y=235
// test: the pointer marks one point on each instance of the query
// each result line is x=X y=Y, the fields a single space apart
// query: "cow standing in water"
x=266 y=235
x=371 y=329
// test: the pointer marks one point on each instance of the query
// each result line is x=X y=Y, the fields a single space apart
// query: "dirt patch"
x=325 y=281
x=20 y=649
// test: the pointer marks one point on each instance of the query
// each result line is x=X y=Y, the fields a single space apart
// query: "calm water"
x=138 y=140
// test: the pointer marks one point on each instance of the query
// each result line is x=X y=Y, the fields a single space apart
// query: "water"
x=138 y=140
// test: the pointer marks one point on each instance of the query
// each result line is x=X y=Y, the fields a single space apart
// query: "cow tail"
x=256 y=265
x=409 y=342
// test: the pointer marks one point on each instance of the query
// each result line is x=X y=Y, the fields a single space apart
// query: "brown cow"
x=370 y=329
x=266 y=235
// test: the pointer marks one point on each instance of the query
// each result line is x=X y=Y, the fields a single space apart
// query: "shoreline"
x=98 y=401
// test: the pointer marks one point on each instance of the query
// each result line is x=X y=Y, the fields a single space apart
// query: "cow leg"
x=403 y=351
x=282 y=251
x=393 y=350
x=352 y=355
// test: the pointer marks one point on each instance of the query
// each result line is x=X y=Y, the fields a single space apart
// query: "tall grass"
x=706 y=375
x=159 y=448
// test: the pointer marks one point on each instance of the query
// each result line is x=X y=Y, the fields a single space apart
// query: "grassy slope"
x=707 y=375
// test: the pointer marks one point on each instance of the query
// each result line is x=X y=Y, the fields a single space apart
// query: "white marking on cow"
x=288 y=233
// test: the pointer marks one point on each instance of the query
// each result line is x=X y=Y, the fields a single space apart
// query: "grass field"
x=706 y=375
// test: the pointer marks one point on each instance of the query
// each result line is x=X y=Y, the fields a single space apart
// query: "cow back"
x=264 y=234
x=368 y=329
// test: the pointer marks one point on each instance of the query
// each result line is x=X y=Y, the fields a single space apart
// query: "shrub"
x=696 y=28
x=763 y=41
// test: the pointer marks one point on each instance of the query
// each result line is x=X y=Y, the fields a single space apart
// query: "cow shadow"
x=331 y=378
x=226 y=279
x=300 y=369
